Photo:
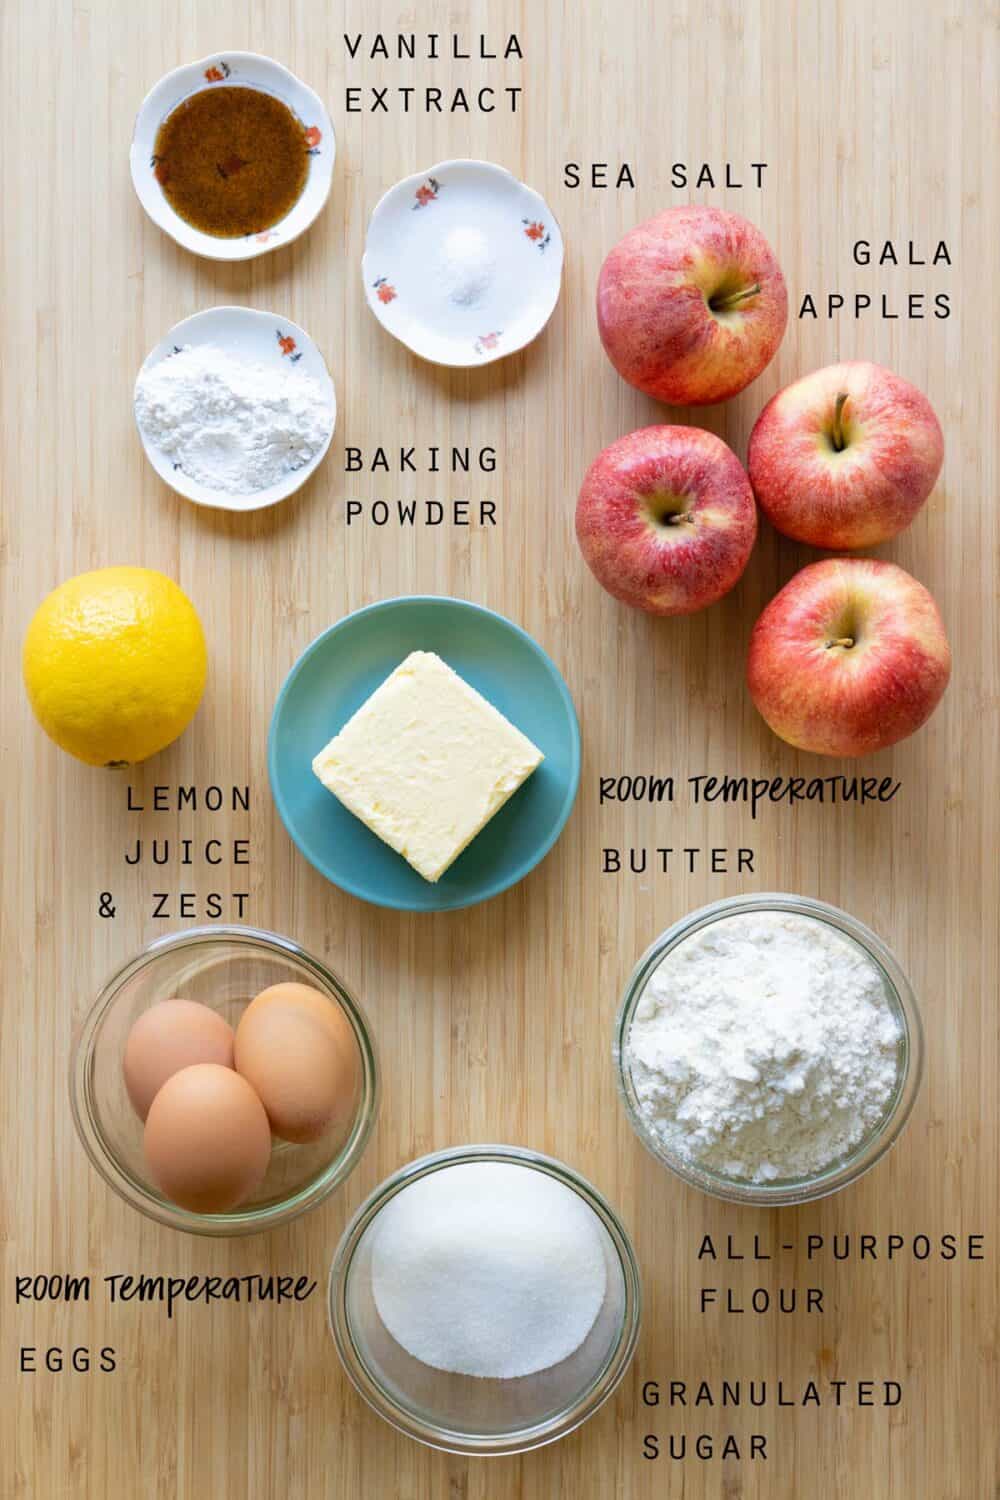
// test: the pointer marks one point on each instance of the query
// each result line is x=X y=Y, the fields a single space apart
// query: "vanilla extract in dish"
x=231 y=161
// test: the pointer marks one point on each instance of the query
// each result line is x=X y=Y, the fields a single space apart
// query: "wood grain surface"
x=876 y=122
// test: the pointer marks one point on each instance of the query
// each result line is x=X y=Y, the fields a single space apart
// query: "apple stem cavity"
x=838 y=437
x=733 y=300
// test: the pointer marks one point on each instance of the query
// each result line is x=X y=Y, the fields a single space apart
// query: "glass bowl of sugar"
x=485 y=1300
x=768 y=1049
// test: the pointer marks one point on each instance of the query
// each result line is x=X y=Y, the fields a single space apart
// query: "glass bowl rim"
x=446 y=1440
x=874 y=1145
x=131 y=1189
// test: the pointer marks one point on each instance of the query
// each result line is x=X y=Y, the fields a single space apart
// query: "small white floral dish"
x=260 y=338
x=463 y=263
x=246 y=70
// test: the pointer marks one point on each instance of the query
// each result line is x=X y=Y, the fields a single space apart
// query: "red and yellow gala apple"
x=850 y=657
x=691 y=305
x=666 y=519
x=845 y=457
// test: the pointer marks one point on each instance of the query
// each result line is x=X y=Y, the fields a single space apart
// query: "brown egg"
x=207 y=1141
x=313 y=1002
x=297 y=1049
x=169 y=1036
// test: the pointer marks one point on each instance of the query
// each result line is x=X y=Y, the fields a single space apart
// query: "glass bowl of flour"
x=485 y=1300
x=768 y=1049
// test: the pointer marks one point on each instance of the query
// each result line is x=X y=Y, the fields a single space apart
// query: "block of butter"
x=426 y=762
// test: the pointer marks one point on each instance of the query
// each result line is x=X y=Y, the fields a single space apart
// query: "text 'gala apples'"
x=666 y=519
x=849 y=658
x=691 y=305
x=845 y=457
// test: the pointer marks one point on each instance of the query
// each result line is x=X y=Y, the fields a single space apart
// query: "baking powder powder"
x=231 y=424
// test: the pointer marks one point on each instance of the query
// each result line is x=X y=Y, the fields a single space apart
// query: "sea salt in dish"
x=235 y=408
x=463 y=263
x=769 y=1046
x=466 y=267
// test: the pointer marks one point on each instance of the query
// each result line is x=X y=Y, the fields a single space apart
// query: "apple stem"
x=679 y=517
x=847 y=641
x=726 y=304
x=837 y=437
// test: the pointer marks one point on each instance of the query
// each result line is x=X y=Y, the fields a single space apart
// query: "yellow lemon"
x=114 y=664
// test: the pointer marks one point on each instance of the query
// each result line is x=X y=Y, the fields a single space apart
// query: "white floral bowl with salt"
x=235 y=408
x=463 y=263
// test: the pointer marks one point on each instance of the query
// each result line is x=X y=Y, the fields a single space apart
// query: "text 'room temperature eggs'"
x=299 y=1052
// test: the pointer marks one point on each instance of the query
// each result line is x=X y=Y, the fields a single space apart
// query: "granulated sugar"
x=488 y=1269
x=764 y=1047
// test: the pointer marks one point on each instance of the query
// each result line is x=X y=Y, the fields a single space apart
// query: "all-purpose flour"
x=764 y=1046
x=231 y=424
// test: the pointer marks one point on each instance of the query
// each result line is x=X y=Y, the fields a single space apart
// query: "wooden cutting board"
x=875 y=123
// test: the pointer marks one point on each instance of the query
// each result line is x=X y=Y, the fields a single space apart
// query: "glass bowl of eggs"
x=224 y=1081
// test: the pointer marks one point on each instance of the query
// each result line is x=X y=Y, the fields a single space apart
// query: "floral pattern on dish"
x=383 y=290
x=487 y=341
x=287 y=346
x=427 y=192
x=536 y=232
x=217 y=72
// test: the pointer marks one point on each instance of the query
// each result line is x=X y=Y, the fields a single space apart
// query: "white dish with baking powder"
x=463 y=263
x=261 y=338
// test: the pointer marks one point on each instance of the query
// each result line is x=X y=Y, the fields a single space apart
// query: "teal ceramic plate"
x=332 y=679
